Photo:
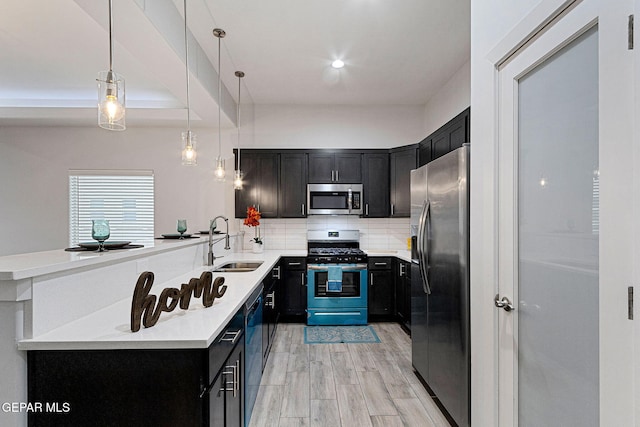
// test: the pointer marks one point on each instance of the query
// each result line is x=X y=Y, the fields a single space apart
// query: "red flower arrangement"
x=253 y=220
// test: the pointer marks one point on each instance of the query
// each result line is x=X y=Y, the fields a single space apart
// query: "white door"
x=566 y=222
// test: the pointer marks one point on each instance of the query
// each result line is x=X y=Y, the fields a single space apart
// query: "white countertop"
x=109 y=328
x=403 y=255
x=21 y=266
x=197 y=327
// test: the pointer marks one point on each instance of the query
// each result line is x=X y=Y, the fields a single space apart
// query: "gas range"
x=334 y=247
x=336 y=256
x=336 y=278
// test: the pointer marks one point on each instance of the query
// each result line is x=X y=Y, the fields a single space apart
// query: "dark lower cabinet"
x=225 y=397
x=292 y=297
x=403 y=293
x=163 y=387
x=381 y=289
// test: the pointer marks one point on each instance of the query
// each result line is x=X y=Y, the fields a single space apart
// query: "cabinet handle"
x=294 y=263
x=233 y=370
x=275 y=273
x=337 y=175
x=233 y=339
x=391 y=209
x=237 y=379
x=333 y=175
x=380 y=263
x=270 y=301
x=402 y=267
x=303 y=213
x=366 y=209
x=302 y=279
x=258 y=207
x=371 y=275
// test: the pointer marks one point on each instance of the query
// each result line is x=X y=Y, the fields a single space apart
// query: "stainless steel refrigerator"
x=440 y=280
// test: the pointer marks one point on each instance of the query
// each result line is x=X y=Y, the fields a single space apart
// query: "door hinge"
x=630 y=35
x=630 y=302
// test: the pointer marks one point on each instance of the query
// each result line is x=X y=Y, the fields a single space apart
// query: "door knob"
x=503 y=303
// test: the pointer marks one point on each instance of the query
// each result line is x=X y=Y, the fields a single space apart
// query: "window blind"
x=125 y=198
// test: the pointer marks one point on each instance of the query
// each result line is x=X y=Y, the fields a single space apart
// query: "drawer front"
x=294 y=263
x=337 y=316
x=380 y=263
x=224 y=344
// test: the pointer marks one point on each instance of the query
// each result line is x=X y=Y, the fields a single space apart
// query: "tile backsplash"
x=375 y=233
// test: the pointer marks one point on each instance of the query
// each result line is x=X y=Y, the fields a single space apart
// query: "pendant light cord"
x=219 y=102
x=239 y=74
x=110 y=37
x=186 y=63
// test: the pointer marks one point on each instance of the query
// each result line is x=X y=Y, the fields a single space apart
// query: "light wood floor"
x=347 y=385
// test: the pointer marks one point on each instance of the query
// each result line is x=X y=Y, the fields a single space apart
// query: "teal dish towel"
x=334 y=278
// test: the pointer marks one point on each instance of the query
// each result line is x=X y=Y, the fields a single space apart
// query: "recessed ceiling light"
x=337 y=64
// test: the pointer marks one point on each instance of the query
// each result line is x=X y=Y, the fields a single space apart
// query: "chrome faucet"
x=211 y=257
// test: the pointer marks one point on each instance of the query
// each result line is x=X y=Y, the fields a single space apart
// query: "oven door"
x=354 y=286
x=346 y=307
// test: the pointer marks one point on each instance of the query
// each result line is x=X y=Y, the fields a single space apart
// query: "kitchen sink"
x=238 y=267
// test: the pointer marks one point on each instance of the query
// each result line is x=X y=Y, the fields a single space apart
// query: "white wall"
x=452 y=98
x=491 y=21
x=34 y=163
x=324 y=126
x=376 y=234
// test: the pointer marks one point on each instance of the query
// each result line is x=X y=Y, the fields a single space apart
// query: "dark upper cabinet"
x=449 y=137
x=260 y=183
x=440 y=144
x=402 y=161
x=321 y=168
x=424 y=152
x=293 y=185
x=375 y=174
x=335 y=167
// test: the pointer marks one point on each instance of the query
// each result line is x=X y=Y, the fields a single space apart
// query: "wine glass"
x=100 y=231
x=182 y=227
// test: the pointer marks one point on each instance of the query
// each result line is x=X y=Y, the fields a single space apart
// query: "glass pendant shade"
x=237 y=180
x=189 y=153
x=111 y=101
x=219 y=171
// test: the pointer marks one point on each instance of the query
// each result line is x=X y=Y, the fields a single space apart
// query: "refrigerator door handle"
x=425 y=253
x=423 y=260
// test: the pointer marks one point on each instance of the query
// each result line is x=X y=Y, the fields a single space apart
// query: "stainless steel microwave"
x=334 y=199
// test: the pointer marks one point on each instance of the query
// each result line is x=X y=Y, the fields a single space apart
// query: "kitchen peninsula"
x=70 y=311
x=64 y=301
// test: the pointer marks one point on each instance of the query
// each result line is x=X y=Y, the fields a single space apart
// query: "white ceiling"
x=397 y=52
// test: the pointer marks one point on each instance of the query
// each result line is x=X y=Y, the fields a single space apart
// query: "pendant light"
x=189 y=153
x=111 y=96
x=237 y=175
x=219 y=171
